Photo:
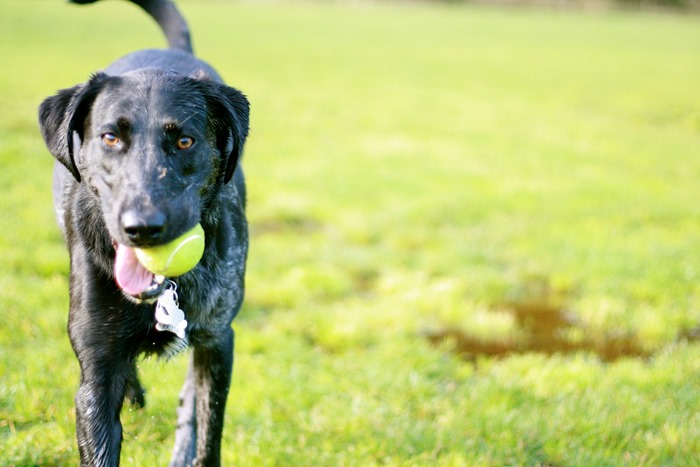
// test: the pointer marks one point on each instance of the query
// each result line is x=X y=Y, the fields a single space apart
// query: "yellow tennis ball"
x=174 y=258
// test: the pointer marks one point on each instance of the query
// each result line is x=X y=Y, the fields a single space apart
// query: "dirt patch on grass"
x=285 y=224
x=545 y=328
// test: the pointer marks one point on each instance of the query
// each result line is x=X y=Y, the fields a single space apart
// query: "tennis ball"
x=174 y=258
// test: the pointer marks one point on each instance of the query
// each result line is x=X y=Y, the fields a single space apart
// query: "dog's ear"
x=229 y=114
x=62 y=120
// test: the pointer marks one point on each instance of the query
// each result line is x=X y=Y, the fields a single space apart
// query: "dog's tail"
x=168 y=18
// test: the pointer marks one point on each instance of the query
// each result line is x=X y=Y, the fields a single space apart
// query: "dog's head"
x=152 y=146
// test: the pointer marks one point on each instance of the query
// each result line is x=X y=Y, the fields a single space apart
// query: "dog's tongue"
x=133 y=278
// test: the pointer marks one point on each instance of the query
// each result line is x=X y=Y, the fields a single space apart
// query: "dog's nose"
x=143 y=227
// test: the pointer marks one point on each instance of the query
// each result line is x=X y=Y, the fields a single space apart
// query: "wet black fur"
x=149 y=99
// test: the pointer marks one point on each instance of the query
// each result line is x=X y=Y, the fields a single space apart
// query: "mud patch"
x=546 y=329
x=285 y=224
x=365 y=281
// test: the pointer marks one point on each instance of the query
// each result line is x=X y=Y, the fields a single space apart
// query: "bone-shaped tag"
x=169 y=316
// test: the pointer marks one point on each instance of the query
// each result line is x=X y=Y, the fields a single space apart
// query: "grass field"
x=475 y=235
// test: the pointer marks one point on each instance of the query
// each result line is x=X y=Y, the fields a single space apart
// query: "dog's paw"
x=135 y=393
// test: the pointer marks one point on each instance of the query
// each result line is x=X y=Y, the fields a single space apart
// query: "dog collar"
x=169 y=316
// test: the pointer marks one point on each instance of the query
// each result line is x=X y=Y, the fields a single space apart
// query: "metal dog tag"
x=169 y=316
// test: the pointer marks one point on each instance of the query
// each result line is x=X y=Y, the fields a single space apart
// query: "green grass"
x=411 y=168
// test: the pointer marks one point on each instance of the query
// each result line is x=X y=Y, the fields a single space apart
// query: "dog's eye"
x=185 y=142
x=110 y=139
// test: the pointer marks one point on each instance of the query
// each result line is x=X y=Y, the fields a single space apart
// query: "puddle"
x=544 y=328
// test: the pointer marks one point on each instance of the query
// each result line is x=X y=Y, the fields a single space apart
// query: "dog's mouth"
x=135 y=280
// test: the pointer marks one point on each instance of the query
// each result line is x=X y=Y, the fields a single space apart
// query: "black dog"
x=146 y=150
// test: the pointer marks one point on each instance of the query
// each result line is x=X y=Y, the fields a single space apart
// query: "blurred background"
x=475 y=232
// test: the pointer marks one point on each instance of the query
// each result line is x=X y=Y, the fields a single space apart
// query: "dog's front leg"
x=101 y=335
x=212 y=365
x=186 y=433
x=98 y=404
